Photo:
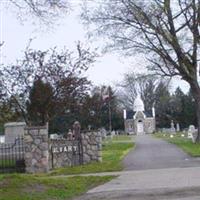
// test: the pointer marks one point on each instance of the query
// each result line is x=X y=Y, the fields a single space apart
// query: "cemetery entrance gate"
x=65 y=152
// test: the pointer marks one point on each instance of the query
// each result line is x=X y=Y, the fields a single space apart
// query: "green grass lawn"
x=183 y=142
x=32 y=187
x=113 y=152
x=122 y=138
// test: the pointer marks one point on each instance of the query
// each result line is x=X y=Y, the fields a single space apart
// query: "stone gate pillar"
x=92 y=147
x=36 y=149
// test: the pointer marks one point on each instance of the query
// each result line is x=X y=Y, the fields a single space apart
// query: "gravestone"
x=13 y=130
x=2 y=139
x=103 y=133
x=89 y=127
x=54 y=136
x=177 y=127
x=192 y=133
x=191 y=130
x=173 y=130
x=113 y=133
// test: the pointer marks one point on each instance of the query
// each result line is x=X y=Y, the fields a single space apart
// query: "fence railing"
x=12 y=156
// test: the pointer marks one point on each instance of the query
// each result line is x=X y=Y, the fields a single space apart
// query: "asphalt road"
x=155 y=170
x=158 y=184
x=182 y=194
x=153 y=153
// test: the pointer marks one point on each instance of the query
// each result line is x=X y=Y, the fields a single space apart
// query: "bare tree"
x=138 y=84
x=166 y=31
x=46 y=11
x=64 y=71
x=1 y=44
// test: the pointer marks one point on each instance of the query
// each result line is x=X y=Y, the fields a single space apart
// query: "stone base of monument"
x=173 y=131
x=194 y=136
x=189 y=135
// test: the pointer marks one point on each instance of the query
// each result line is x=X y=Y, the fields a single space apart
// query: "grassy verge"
x=122 y=138
x=30 y=187
x=184 y=143
x=113 y=152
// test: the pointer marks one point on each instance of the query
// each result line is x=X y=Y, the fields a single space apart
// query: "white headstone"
x=190 y=131
x=113 y=133
x=173 y=130
x=103 y=133
x=177 y=127
x=54 y=136
x=2 y=139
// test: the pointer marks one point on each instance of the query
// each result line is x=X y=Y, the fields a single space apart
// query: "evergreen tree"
x=40 y=106
x=189 y=110
x=177 y=107
x=162 y=102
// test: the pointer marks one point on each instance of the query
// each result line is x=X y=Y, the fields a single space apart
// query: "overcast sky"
x=108 y=69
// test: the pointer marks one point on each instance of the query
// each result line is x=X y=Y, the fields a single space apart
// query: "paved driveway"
x=153 y=153
x=159 y=184
x=155 y=170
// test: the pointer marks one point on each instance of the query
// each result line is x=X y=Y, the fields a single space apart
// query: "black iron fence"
x=12 y=156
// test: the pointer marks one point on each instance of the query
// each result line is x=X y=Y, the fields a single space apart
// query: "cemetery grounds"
x=55 y=186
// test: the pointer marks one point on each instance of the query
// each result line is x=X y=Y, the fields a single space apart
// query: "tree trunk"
x=198 y=122
x=196 y=94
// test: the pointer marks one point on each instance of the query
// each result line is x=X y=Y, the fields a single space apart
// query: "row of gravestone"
x=191 y=133
x=172 y=129
x=107 y=134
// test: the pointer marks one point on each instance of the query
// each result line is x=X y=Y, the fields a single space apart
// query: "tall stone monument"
x=173 y=130
x=177 y=127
